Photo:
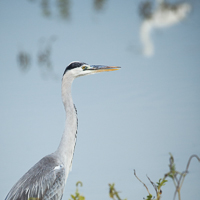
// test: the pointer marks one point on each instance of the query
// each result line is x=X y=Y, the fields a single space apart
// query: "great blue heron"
x=46 y=179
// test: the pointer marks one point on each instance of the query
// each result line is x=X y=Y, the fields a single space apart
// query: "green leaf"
x=72 y=196
x=149 y=197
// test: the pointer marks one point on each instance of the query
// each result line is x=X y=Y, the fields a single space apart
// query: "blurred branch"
x=45 y=8
x=141 y=182
x=145 y=9
x=113 y=193
x=154 y=185
x=44 y=57
x=98 y=4
x=24 y=60
x=63 y=7
x=182 y=176
x=173 y=174
x=160 y=14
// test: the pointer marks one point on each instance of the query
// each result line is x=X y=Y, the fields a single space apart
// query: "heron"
x=47 y=178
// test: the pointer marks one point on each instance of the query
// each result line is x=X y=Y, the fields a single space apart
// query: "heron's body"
x=46 y=179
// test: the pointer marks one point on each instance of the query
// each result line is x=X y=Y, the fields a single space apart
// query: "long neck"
x=67 y=144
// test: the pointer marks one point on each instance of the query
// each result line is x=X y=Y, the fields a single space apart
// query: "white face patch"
x=80 y=71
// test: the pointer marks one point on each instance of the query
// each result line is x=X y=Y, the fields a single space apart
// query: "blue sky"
x=128 y=119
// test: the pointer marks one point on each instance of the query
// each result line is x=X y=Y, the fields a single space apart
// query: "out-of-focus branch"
x=24 y=60
x=182 y=177
x=164 y=15
x=44 y=58
x=176 y=176
x=98 y=4
x=113 y=193
x=142 y=182
x=63 y=7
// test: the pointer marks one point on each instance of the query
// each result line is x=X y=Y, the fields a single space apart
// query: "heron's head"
x=77 y=69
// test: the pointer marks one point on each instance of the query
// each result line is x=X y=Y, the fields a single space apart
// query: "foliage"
x=113 y=193
x=177 y=177
x=77 y=195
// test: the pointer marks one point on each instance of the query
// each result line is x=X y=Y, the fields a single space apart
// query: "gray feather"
x=44 y=181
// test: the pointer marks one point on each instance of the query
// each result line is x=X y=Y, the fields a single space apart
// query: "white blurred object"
x=164 y=15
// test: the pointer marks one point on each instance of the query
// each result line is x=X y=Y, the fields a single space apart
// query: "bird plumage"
x=46 y=179
x=73 y=65
x=41 y=181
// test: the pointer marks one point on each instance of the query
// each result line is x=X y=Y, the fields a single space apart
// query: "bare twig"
x=142 y=182
x=192 y=156
x=154 y=185
x=182 y=176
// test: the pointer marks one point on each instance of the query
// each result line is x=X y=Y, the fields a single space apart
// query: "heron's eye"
x=84 y=68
